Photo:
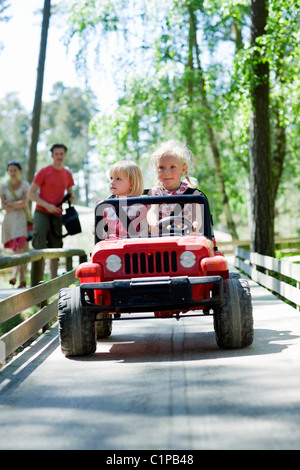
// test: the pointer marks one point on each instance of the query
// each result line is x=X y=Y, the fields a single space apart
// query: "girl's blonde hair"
x=175 y=149
x=131 y=171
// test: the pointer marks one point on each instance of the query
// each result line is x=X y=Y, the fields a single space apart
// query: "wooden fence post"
x=37 y=271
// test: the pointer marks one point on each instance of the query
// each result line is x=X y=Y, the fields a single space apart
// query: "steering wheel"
x=175 y=224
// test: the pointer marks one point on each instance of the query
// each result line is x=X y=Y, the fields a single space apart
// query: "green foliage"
x=66 y=119
x=85 y=15
x=14 y=130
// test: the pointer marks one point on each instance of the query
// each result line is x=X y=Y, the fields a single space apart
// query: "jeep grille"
x=143 y=263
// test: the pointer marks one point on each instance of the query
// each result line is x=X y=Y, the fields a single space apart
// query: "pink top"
x=167 y=209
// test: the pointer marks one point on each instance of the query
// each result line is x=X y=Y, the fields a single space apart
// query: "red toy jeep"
x=168 y=274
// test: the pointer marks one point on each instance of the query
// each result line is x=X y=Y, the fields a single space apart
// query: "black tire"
x=77 y=332
x=233 y=322
x=103 y=328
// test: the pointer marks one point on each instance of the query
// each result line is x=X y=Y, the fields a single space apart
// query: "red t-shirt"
x=52 y=184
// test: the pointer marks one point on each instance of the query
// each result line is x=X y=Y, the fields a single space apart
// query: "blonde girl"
x=126 y=180
x=172 y=161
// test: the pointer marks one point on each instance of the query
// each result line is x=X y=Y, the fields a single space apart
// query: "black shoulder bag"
x=70 y=219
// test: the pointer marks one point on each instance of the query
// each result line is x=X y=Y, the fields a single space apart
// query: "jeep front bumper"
x=153 y=294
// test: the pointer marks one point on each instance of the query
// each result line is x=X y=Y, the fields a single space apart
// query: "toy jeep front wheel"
x=76 y=326
x=233 y=321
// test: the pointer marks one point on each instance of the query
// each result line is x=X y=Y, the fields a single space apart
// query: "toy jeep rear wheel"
x=103 y=325
x=76 y=326
x=233 y=322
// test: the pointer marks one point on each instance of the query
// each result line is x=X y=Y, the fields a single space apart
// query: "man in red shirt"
x=47 y=190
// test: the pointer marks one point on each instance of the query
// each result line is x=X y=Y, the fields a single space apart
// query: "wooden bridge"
x=155 y=384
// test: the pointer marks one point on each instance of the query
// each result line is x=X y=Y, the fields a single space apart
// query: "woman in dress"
x=14 y=200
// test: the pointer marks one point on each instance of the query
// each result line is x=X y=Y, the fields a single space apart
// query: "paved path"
x=160 y=384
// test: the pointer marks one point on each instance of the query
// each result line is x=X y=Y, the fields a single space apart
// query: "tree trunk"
x=36 y=114
x=262 y=202
x=190 y=88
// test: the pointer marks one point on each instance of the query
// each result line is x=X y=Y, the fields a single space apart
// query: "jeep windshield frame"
x=120 y=208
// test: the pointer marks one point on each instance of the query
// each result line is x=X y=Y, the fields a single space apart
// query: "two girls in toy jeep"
x=172 y=271
x=155 y=254
x=151 y=250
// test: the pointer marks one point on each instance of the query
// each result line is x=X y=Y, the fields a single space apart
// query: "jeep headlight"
x=187 y=259
x=113 y=263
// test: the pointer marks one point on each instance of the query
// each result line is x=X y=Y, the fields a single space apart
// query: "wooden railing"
x=279 y=276
x=292 y=243
x=38 y=295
